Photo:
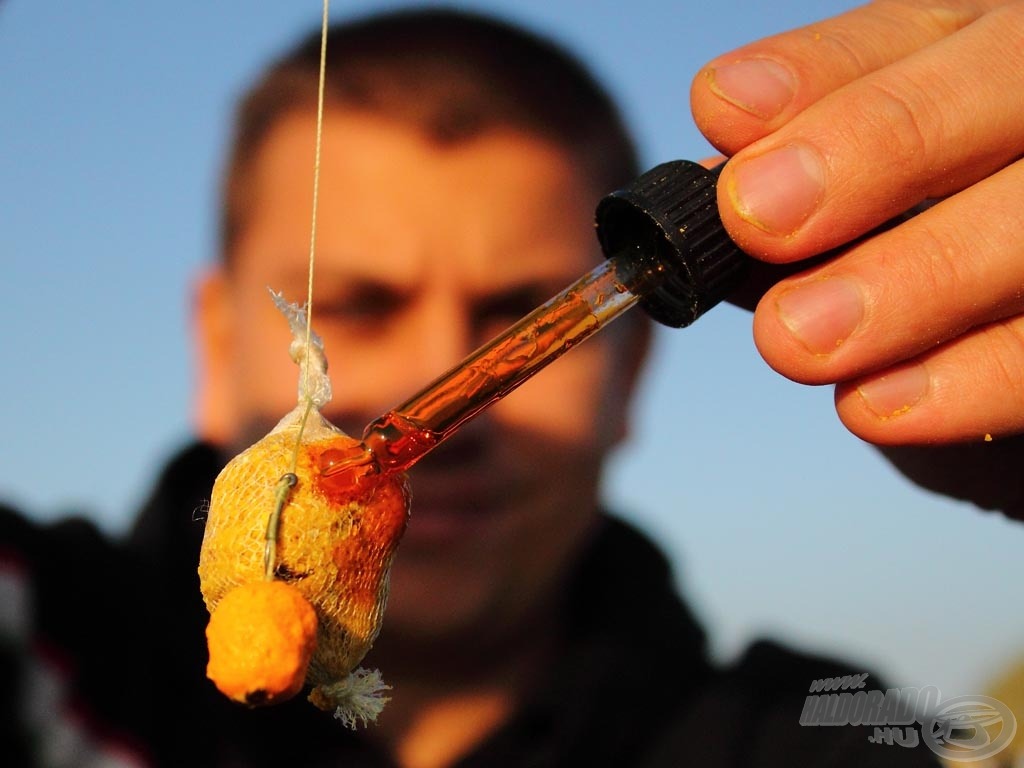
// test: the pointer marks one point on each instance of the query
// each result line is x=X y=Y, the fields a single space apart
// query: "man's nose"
x=441 y=337
x=428 y=344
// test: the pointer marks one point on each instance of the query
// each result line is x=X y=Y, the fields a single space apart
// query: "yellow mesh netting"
x=334 y=542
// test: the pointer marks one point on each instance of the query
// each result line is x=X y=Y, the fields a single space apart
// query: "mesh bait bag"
x=282 y=537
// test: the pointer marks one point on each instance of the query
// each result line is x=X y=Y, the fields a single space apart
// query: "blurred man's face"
x=423 y=252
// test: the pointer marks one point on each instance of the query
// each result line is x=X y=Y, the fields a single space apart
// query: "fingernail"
x=822 y=313
x=779 y=190
x=896 y=392
x=761 y=87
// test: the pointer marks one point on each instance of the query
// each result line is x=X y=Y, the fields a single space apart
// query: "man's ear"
x=212 y=338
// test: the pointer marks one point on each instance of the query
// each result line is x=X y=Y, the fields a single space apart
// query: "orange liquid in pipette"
x=399 y=438
x=402 y=436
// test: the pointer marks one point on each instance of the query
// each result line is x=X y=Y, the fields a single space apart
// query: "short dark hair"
x=449 y=73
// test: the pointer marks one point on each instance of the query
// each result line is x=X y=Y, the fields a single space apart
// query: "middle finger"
x=926 y=126
x=957 y=265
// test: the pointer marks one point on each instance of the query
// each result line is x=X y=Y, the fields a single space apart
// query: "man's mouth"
x=453 y=507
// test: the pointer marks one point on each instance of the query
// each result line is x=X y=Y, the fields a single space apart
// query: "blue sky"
x=778 y=521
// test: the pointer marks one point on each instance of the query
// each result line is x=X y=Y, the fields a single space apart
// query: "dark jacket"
x=105 y=641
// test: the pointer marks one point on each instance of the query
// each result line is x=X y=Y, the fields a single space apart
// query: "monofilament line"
x=289 y=480
x=312 y=226
x=316 y=183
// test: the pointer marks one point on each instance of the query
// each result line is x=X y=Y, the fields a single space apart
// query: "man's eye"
x=363 y=307
x=494 y=316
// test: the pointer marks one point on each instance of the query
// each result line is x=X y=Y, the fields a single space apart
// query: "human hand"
x=838 y=127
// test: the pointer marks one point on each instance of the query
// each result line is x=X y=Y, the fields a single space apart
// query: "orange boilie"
x=261 y=637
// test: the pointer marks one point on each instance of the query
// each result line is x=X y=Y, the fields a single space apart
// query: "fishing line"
x=288 y=481
x=312 y=227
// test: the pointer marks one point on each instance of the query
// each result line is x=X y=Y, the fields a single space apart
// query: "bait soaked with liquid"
x=310 y=616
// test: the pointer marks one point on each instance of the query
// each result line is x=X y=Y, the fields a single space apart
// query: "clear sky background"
x=113 y=118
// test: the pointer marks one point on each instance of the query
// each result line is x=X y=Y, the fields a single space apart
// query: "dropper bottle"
x=666 y=249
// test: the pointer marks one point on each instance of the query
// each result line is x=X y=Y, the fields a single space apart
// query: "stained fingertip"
x=761 y=86
x=894 y=407
x=779 y=190
x=821 y=313
x=730 y=126
x=809 y=328
x=896 y=392
x=769 y=202
x=914 y=423
x=882 y=426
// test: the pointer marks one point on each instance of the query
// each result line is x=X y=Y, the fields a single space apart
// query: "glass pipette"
x=666 y=249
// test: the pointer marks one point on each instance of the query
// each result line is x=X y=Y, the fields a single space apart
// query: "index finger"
x=750 y=92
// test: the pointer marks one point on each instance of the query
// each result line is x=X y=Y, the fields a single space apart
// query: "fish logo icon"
x=969 y=728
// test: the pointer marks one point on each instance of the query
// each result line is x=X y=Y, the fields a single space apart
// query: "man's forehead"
x=502 y=209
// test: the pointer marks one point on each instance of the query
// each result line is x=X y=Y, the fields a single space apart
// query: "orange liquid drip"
x=343 y=470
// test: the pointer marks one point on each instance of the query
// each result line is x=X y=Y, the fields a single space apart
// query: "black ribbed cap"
x=672 y=211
